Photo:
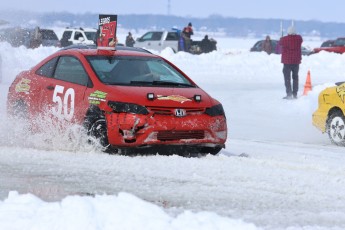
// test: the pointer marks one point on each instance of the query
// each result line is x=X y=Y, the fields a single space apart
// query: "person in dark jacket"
x=206 y=45
x=129 y=40
x=291 y=58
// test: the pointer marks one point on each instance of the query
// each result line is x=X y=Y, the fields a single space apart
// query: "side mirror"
x=81 y=39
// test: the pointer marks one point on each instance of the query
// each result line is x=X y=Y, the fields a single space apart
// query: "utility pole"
x=169 y=7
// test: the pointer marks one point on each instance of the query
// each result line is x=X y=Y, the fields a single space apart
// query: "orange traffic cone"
x=307 y=86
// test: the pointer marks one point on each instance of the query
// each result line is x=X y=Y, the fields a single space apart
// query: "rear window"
x=48 y=35
x=152 y=36
x=67 y=35
x=172 y=36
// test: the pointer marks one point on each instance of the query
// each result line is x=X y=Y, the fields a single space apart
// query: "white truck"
x=78 y=36
x=158 y=40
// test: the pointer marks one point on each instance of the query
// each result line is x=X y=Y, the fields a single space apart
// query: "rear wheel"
x=20 y=110
x=336 y=128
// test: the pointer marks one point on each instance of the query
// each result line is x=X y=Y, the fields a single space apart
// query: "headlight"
x=216 y=110
x=120 y=107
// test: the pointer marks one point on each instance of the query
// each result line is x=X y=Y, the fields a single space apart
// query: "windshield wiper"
x=162 y=83
x=172 y=83
x=141 y=82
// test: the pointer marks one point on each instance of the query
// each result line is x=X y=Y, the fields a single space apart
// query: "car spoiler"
x=339 y=83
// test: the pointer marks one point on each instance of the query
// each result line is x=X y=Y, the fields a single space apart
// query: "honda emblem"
x=180 y=112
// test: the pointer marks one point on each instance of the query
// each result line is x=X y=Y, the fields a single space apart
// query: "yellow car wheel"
x=336 y=128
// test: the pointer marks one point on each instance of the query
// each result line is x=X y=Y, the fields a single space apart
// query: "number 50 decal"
x=65 y=102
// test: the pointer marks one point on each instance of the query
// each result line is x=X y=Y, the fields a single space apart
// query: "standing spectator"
x=187 y=33
x=206 y=45
x=267 y=45
x=36 y=39
x=291 y=58
x=129 y=40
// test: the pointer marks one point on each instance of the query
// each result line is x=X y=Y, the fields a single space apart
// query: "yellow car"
x=329 y=117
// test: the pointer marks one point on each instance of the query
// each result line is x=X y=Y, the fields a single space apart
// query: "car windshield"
x=137 y=71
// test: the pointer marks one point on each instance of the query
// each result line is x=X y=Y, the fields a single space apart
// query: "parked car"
x=78 y=35
x=159 y=40
x=30 y=38
x=329 y=116
x=257 y=47
x=335 y=46
x=127 y=99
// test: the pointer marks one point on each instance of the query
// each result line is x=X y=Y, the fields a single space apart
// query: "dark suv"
x=30 y=38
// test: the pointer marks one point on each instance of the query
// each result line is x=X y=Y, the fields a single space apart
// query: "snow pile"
x=123 y=211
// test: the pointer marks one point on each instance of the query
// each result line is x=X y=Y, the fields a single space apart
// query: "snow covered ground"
x=277 y=172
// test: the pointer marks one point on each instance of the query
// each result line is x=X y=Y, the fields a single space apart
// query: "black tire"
x=215 y=150
x=335 y=128
x=99 y=133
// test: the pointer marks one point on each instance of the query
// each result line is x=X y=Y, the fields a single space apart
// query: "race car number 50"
x=64 y=102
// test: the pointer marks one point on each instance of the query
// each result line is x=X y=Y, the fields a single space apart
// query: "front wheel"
x=336 y=128
x=99 y=134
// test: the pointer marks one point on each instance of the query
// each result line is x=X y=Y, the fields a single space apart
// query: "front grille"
x=170 y=111
x=172 y=135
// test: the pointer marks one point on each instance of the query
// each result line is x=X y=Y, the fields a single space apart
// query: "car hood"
x=164 y=96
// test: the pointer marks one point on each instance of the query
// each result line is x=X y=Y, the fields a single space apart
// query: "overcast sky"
x=326 y=11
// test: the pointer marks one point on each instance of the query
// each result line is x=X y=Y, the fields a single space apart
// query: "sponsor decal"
x=177 y=98
x=63 y=101
x=23 y=86
x=341 y=92
x=96 y=97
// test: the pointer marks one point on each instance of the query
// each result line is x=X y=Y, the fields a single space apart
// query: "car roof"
x=94 y=47
x=119 y=50
x=82 y=29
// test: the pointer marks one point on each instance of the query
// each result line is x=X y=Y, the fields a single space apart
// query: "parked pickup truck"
x=159 y=40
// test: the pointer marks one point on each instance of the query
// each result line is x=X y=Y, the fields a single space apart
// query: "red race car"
x=128 y=99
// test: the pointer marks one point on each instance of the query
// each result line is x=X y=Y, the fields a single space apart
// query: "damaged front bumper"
x=138 y=130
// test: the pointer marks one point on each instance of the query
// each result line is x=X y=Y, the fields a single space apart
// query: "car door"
x=150 y=40
x=171 y=41
x=63 y=93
